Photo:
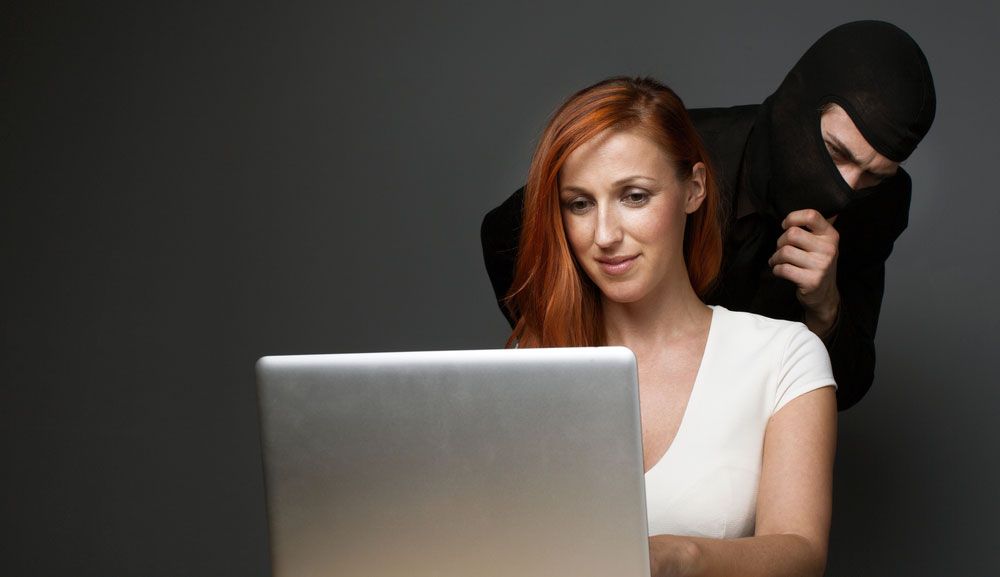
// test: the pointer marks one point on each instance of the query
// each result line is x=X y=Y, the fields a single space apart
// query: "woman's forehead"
x=614 y=154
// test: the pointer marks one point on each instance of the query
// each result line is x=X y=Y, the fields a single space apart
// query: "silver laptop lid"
x=454 y=463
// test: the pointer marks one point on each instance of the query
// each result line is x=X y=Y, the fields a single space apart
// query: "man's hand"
x=807 y=256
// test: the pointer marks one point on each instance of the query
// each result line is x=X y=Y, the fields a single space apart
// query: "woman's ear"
x=695 y=188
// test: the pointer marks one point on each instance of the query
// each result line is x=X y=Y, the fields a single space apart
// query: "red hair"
x=553 y=301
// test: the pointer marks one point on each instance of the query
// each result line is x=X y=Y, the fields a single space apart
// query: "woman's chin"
x=623 y=295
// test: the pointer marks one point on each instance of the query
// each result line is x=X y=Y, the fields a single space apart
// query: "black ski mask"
x=878 y=74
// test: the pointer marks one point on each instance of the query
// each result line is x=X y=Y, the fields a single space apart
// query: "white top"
x=706 y=483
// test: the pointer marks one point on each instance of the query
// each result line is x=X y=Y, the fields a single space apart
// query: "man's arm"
x=839 y=274
x=851 y=342
x=499 y=235
x=868 y=232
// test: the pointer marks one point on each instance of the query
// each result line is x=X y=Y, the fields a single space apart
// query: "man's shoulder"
x=733 y=119
x=725 y=132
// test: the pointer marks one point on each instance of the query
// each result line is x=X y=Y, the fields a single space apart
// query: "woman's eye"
x=635 y=197
x=578 y=205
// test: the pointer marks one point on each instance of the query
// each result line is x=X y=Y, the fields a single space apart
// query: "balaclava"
x=880 y=77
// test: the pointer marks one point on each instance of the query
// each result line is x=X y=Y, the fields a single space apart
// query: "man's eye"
x=834 y=154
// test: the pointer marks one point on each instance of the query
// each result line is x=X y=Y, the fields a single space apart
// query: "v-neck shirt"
x=706 y=482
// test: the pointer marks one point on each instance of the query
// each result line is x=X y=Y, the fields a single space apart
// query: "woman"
x=620 y=239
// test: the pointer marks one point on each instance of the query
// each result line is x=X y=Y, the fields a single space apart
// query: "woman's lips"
x=617 y=265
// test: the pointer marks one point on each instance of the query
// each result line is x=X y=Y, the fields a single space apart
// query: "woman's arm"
x=793 y=504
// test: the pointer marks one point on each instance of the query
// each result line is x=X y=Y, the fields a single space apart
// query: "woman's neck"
x=670 y=313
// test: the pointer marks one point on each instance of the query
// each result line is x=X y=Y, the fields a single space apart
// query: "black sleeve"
x=852 y=342
x=867 y=235
x=499 y=235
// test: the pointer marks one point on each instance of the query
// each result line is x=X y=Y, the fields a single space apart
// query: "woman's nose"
x=609 y=230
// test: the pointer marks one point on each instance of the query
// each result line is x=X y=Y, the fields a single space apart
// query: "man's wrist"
x=822 y=319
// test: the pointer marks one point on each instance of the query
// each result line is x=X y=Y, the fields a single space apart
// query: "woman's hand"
x=793 y=504
x=672 y=556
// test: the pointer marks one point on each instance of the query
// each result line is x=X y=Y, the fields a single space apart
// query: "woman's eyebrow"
x=633 y=178
x=573 y=189
x=620 y=182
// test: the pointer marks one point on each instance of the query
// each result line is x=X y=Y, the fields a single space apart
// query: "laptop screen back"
x=454 y=463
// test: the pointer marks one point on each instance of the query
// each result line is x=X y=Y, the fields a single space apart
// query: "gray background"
x=188 y=187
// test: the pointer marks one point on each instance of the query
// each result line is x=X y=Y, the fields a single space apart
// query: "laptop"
x=515 y=463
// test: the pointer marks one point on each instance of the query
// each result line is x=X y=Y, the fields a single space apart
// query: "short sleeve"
x=805 y=367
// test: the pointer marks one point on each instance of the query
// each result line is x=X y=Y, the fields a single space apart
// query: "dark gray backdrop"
x=188 y=187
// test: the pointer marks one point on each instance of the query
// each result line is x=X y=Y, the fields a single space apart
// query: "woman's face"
x=623 y=209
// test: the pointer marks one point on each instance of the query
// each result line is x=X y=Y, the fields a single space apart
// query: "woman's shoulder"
x=785 y=356
x=751 y=326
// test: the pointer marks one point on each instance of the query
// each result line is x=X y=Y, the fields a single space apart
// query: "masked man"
x=815 y=194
